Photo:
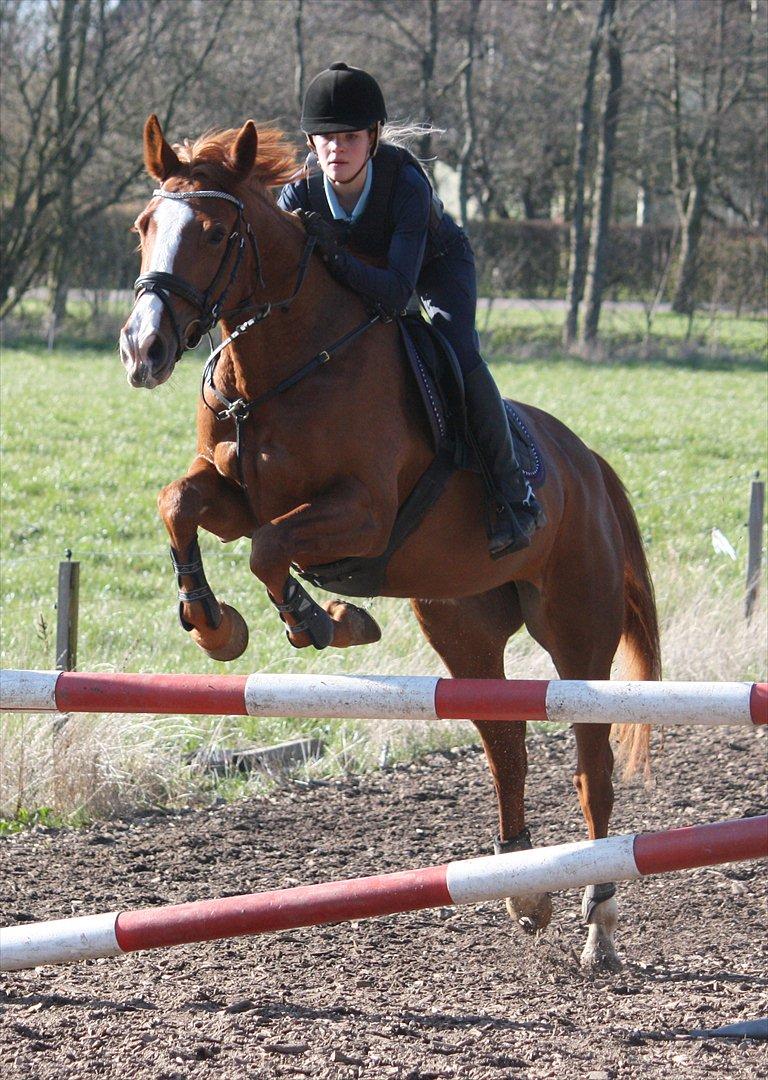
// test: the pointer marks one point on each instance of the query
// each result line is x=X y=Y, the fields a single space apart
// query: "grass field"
x=83 y=457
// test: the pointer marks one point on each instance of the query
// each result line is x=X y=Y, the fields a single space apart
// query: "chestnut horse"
x=318 y=471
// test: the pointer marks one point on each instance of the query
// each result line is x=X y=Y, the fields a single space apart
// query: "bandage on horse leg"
x=201 y=592
x=521 y=842
x=594 y=895
x=312 y=619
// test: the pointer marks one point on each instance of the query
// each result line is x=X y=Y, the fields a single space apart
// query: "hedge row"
x=530 y=258
x=523 y=258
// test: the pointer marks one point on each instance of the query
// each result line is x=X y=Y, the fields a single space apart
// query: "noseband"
x=163 y=285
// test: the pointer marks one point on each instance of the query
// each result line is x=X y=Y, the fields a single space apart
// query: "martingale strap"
x=240 y=409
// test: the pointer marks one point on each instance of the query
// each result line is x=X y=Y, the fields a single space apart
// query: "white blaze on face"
x=170 y=217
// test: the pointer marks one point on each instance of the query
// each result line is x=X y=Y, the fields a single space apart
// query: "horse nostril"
x=156 y=351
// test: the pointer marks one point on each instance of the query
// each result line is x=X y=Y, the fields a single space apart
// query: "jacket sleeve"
x=289 y=198
x=392 y=286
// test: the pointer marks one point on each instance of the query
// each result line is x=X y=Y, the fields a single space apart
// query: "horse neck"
x=320 y=313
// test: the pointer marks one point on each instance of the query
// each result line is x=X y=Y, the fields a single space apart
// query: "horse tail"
x=640 y=644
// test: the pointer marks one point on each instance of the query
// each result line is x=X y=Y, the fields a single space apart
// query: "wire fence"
x=106 y=554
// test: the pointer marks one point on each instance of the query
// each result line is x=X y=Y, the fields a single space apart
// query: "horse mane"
x=209 y=156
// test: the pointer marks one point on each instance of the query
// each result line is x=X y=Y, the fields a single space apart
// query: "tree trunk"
x=468 y=110
x=63 y=244
x=692 y=179
x=684 y=301
x=578 y=257
x=644 y=191
x=606 y=167
x=298 y=73
x=428 y=60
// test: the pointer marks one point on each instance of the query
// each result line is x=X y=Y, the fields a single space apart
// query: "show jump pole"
x=470 y=881
x=380 y=697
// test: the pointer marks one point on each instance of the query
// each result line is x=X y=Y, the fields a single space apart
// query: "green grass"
x=709 y=341
x=84 y=456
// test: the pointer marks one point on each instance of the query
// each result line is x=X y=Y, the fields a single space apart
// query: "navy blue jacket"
x=401 y=236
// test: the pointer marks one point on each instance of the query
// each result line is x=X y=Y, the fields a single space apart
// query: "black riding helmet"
x=342 y=98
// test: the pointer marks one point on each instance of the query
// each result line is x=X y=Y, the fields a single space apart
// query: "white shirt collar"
x=338 y=211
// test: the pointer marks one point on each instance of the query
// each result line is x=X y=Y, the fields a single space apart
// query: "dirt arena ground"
x=452 y=993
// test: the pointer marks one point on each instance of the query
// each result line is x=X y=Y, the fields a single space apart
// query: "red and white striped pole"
x=380 y=697
x=471 y=881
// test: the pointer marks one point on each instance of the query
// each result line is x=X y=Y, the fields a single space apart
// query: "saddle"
x=436 y=370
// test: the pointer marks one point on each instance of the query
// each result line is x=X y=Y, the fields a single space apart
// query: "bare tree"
x=605 y=173
x=705 y=86
x=299 y=72
x=466 y=157
x=68 y=86
x=577 y=270
x=416 y=27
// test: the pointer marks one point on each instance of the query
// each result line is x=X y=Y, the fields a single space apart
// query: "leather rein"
x=164 y=285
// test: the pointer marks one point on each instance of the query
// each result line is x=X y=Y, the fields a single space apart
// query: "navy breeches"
x=447 y=286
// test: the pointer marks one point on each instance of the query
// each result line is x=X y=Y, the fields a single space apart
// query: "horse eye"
x=215 y=235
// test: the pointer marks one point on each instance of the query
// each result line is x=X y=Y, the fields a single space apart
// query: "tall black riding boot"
x=513 y=511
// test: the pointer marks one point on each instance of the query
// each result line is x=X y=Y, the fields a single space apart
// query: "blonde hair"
x=407 y=134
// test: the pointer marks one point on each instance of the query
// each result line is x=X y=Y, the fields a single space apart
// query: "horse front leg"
x=205 y=498
x=339 y=523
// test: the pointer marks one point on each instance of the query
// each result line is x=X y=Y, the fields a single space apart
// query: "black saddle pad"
x=438 y=376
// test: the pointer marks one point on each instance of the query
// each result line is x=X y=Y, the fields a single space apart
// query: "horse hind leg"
x=582 y=639
x=470 y=636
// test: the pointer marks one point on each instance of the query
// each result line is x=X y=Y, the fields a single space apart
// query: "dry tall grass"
x=102 y=766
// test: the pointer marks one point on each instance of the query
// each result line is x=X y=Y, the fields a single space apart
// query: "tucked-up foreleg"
x=204 y=498
x=339 y=523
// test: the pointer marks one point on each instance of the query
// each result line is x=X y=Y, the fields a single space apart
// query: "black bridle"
x=209 y=311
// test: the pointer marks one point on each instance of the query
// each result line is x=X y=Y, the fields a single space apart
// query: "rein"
x=163 y=285
x=241 y=409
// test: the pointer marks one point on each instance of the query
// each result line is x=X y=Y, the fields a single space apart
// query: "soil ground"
x=450 y=993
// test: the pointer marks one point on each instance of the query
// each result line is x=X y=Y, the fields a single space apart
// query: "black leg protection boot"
x=513 y=510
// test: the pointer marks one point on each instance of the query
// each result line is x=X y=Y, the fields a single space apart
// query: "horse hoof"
x=230 y=638
x=600 y=960
x=352 y=625
x=531 y=913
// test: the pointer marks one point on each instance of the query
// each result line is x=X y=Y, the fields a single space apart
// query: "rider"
x=374 y=197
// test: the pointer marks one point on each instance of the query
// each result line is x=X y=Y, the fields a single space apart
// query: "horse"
x=310 y=437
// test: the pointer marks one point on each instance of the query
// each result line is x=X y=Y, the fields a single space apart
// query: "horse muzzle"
x=148 y=363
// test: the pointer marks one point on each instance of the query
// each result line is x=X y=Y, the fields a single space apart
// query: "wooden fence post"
x=66 y=660
x=66 y=614
x=755 y=533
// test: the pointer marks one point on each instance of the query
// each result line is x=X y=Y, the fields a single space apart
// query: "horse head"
x=192 y=238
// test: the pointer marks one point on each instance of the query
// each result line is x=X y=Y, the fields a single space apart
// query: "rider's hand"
x=316 y=225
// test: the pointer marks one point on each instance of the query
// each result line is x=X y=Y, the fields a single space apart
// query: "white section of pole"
x=563 y=866
x=60 y=941
x=570 y=701
x=362 y=697
x=28 y=691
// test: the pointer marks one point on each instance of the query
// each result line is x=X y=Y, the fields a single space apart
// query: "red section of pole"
x=758 y=703
x=702 y=845
x=283 y=909
x=491 y=699
x=209 y=695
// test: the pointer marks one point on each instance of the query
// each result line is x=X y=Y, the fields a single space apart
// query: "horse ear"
x=159 y=157
x=243 y=153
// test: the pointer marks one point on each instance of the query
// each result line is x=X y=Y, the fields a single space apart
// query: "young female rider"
x=374 y=198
